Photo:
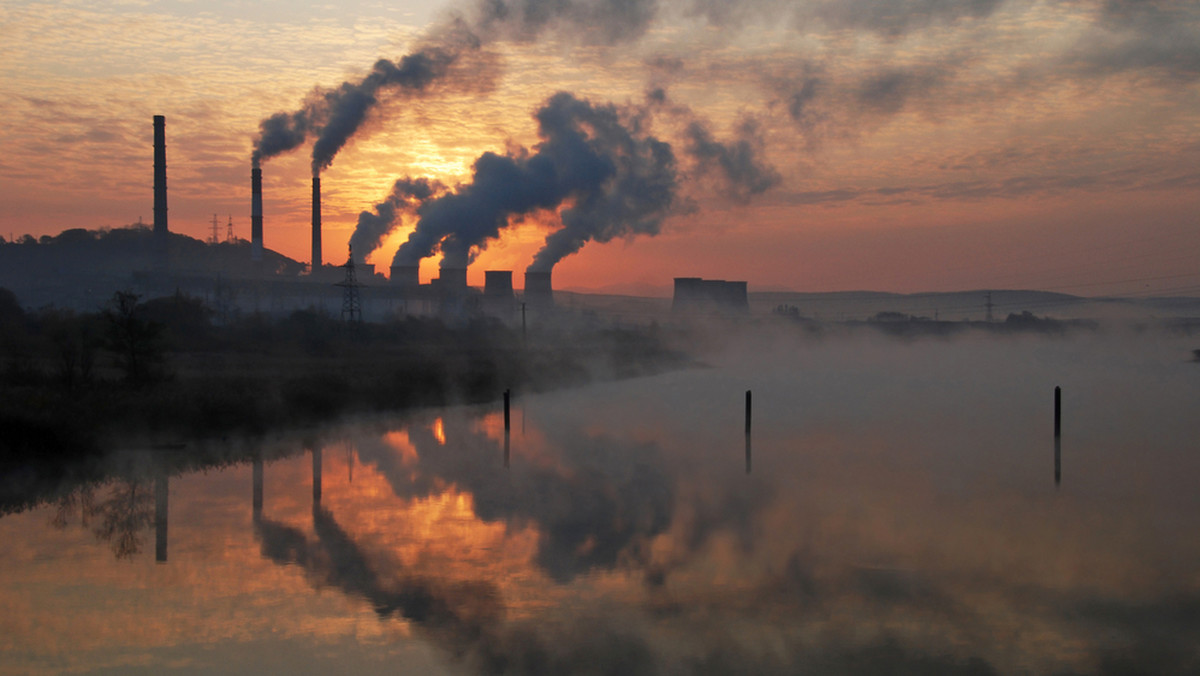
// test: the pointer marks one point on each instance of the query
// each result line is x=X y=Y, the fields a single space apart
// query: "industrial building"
x=696 y=295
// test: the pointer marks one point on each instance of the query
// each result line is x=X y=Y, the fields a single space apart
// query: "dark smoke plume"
x=737 y=166
x=335 y=115
x=739 y=162
x=605 y=22
x=283 y=132
x=634 y=201
x=349 y=104
x=407 y=194
x=618 y=181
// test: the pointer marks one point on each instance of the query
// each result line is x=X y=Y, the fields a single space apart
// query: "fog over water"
x=900 y=515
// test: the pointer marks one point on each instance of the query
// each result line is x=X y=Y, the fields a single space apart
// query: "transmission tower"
x=351 y=304
x=229 y=231
x=215 y=232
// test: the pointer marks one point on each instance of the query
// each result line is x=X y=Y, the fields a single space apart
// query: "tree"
x=133 y=338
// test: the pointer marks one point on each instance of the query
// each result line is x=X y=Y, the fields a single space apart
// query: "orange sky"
x=915 y=145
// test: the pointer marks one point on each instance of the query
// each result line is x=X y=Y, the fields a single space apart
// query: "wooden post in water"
x=747 y=411
x=1057 y=461
x=507 y=418
x=506 y=449
x=748 y=402
x=1057 y=412
x=161 y=488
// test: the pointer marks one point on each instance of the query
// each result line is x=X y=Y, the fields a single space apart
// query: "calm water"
x=900 y=515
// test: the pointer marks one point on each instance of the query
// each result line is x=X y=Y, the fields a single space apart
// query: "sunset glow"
x=899 y=147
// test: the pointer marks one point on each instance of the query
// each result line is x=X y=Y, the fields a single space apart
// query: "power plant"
x=239 y=276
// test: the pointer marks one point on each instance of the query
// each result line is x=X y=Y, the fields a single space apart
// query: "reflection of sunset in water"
x=916 y=533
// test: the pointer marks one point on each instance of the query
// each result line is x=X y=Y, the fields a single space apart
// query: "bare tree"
x=134 y=339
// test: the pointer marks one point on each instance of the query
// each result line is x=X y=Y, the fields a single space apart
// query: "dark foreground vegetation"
x=162 y=372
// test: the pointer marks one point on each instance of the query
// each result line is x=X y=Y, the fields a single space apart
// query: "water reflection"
x=126 y=511
x=589 y=506
x=1057 y=461
x=918 y=536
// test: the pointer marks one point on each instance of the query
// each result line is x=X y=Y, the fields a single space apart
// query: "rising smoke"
x=822 y=97
x=407 y=194
x=614 y=178
x=599 y=168
x=333 y=116
x=740 y=163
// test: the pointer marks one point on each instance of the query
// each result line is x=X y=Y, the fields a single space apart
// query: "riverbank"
x=251 y=380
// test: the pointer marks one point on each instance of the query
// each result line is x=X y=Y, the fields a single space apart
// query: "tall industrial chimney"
x=256 y=214
x=316 y=224
x=160 y=186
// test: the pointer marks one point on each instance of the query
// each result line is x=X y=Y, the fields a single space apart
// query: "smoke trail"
x=349 y=104
x=740 y=163
x=407 y=194
x=335 y=115
x=634 y=201
x=606 y=22
x=618 y=180
x=283 y=132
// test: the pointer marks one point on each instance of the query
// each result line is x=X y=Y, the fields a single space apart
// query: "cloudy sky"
x=897 y=145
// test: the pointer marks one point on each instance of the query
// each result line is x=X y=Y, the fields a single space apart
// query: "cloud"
x=1155 y=36
x=894 y=18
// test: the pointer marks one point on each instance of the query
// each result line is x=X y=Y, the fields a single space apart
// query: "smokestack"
x=497 y=284
x=407 y=276
x=160 y=184
x=537 y=288
x=316 y=224
x=256 y=214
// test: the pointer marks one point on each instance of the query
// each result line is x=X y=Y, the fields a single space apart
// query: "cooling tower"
x=407 y=276
x=452 y=279
x=537 y=288
x=497 y=284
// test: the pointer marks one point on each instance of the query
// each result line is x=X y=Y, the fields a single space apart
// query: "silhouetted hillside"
x=81 y=269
